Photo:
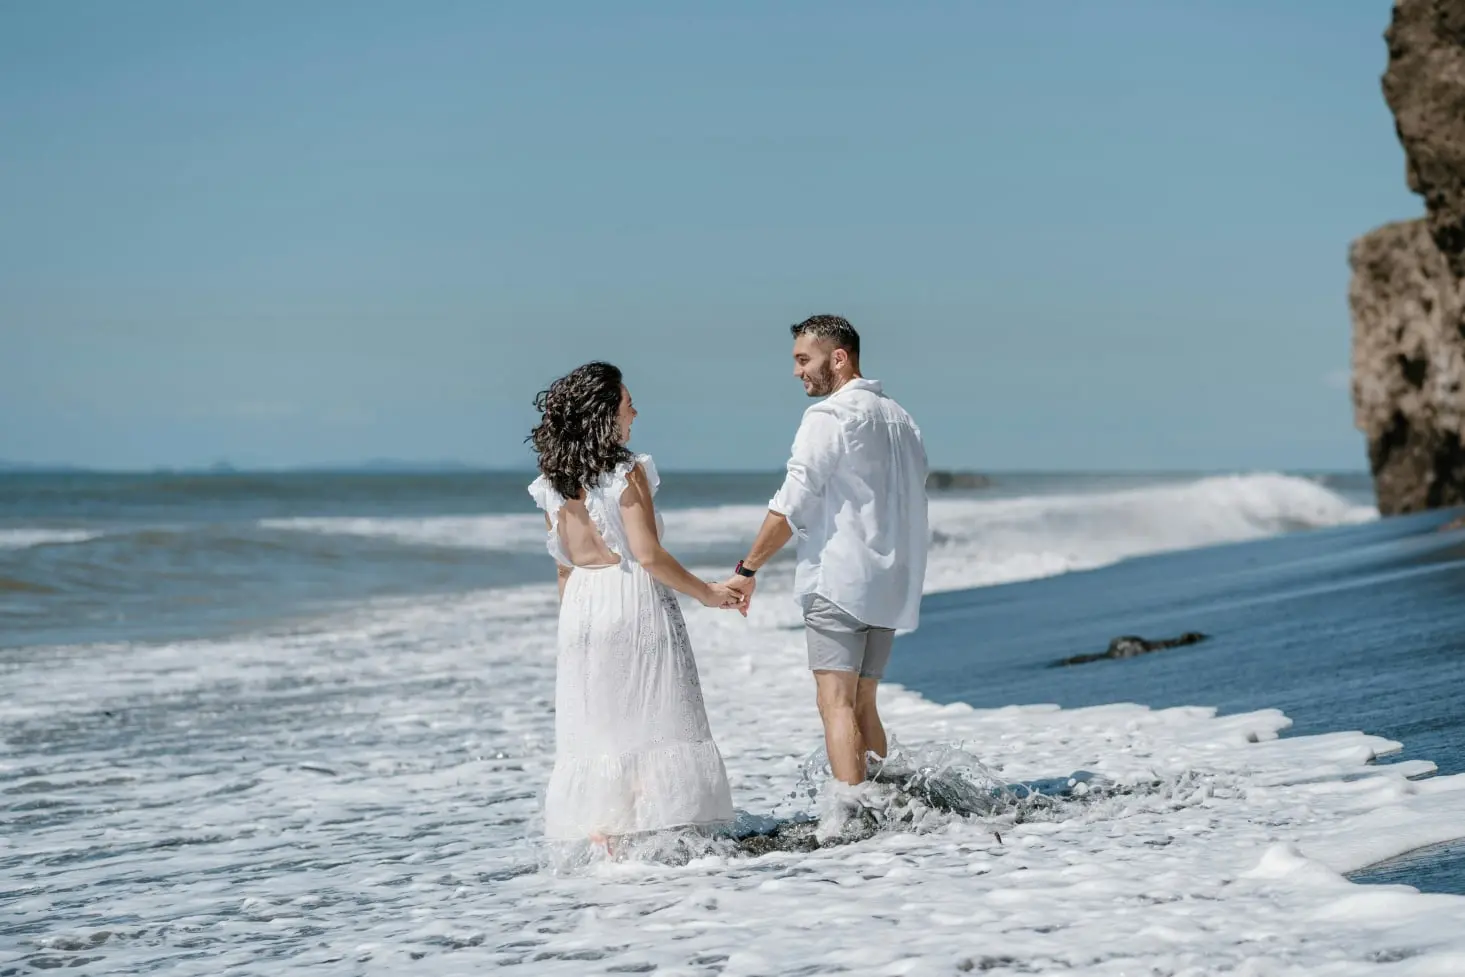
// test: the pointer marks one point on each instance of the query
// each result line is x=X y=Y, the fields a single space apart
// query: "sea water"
x=254 y=724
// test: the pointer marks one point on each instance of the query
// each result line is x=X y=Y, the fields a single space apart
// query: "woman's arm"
x=562 y=572
x=639 y=514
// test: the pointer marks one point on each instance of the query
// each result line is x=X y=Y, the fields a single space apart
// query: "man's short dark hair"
x=834 y=328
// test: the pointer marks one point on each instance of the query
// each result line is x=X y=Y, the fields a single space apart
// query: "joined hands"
x=743 y=588
x=735 y=594
x=721 y=596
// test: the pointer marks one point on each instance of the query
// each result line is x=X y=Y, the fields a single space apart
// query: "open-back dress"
x=633 y=749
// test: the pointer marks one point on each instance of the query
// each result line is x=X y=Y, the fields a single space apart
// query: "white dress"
x=633 y=750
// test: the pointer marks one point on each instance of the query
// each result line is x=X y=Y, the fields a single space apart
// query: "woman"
x=633 y=751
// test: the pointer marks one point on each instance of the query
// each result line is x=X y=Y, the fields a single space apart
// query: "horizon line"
x=392 y=467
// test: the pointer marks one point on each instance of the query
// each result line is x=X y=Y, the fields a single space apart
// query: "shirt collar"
x=860 y=383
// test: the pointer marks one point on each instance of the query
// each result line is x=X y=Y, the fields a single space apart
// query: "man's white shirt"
x=855 y=496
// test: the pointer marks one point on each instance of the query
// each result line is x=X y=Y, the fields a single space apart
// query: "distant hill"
x=373 y=466
x=396 y=465
x=24 y=466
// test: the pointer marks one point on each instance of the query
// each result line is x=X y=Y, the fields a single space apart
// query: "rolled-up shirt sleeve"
x=815 y=453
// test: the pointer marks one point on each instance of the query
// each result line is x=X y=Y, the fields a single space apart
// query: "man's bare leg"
x=867 y=718
x=837 y=691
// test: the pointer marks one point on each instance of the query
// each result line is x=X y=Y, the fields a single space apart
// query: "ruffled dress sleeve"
x=648 y=465
x=546 y=498
x=616 y=481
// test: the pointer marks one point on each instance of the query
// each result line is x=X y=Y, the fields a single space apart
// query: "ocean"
x=255 y=723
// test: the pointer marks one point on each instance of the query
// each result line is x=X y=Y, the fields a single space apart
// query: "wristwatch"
x=743 y=571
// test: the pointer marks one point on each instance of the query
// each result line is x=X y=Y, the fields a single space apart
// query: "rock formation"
x=1407 y=295
x=1132 y=646
x=944 y=481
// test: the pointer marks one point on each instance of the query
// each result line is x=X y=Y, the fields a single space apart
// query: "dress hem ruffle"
x=658 y=789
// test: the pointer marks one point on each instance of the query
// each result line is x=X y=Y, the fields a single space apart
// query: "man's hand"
x=775 y=532
x=743 y=587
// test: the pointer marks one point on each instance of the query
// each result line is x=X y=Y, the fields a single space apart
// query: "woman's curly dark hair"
x=578 y=437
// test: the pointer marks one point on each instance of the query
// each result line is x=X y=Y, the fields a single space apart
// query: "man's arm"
x=774 y=533
x=772 y=536
x=799 y=502
x=816 y=451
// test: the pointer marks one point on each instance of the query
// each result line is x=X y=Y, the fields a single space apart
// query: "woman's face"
x=626 y=416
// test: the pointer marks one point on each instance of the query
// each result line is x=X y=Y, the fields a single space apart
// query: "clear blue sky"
x=1074 y=235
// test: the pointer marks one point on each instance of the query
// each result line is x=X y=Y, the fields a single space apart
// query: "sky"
x=1073 y=236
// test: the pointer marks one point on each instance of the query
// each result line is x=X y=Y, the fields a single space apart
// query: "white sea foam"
x=978 y=541
x=520 y=533
x=25 y=537
x=361 y=798
x=1005 y=540
x=513 y=532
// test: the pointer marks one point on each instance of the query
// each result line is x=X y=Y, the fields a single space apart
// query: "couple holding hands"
x=633 y=750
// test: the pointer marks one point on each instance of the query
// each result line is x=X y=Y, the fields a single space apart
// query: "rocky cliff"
x=1408 y=290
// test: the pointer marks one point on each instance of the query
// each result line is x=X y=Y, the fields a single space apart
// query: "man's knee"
x=865 y=697
x=836 y=692
x=832 y=705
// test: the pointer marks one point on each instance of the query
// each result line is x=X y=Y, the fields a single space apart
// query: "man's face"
x=814 y=361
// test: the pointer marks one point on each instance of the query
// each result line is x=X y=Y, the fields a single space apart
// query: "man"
x=855 y=495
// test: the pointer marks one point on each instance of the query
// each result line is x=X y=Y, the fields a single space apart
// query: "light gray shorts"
x=839 y=642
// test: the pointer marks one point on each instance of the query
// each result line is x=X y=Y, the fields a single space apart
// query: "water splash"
x=917 y=790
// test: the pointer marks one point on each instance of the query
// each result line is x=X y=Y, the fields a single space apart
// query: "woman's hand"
x=721 y=596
